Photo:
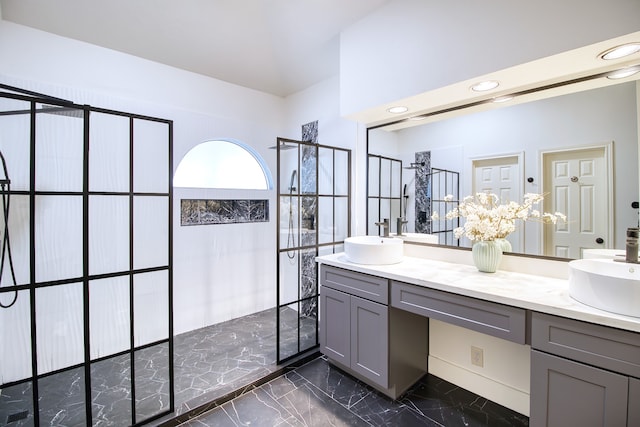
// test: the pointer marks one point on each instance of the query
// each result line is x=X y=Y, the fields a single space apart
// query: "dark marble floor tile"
x=453 y=406
x=335 y=383
x=311 y=407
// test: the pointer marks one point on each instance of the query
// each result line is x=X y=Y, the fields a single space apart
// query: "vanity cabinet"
x=583 y=374
x=360 y=333
x=487 y=317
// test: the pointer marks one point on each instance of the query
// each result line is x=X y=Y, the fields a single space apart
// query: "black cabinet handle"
x=599 y=240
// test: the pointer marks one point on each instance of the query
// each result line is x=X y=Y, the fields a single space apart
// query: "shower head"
x=414 y=165
x=283 y=146
x=62 y=111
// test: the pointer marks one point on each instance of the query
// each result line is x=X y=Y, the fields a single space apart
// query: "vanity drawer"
x=359 y=284
x=597 y=345
x=499 y=320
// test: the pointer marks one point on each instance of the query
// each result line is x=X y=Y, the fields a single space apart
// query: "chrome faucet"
x=400 y=222
x=385 y=227
x=632 y=245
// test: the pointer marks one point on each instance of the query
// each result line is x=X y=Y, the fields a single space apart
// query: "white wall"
x=408 y=47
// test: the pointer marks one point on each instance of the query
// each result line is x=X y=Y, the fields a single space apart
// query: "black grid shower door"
x=314 y=199
x=384 y=192
x=90 y=337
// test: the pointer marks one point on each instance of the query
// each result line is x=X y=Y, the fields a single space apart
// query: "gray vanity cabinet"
x=583 y=374
x=360 y=333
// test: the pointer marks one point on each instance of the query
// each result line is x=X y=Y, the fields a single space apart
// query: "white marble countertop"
x=538 y=293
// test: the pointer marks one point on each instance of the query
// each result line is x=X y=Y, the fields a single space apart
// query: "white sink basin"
x=606 y=284
x=373 y=250
x=417 y=237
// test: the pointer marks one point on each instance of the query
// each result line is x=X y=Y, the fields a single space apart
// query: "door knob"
x=599 y=240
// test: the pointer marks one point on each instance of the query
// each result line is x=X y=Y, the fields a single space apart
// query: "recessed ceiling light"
x=624 y=72
x=621 y=51
x=484 y=86
x=500 y=99
x=397 y=110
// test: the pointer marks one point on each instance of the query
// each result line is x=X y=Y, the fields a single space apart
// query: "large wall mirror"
x=580 y=149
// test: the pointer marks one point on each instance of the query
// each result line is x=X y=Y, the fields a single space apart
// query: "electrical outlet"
x=477 y=356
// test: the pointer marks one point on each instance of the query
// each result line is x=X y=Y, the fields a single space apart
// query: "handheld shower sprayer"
x=5 y=190
x=292 y=182
x=290 y=236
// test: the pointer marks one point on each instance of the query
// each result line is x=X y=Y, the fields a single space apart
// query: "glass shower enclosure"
x=314 y=196
x=86 y=332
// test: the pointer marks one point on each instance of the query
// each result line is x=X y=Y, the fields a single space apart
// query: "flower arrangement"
x=487 y=219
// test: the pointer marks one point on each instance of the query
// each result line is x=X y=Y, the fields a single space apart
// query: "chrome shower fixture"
x=415 y=165
x=282 y=146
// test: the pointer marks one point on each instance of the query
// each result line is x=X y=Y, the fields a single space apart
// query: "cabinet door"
x=566 y=393
x=369 y=340
x=634 y=402
x=335 y=337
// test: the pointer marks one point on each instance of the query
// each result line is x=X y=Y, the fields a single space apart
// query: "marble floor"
x=209 y=363
x=318 y=394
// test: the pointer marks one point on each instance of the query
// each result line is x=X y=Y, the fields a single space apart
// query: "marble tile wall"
x=423 y=192
x=203 y=212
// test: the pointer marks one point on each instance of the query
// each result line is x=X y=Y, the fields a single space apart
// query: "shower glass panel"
x=62 y=398
x=151 y=231
x=60 y=148
x=19 y=218
x=384 y=193
x=150 y=307
x=15 y=141
x=150 y=157
x=289 y=274
x=16 y=403
x=109 y=155
x=111 y=391
x=326 y=218
x=15 y=333
x=341 y=172
x=58 y=248
x=109 y=324
x=152 y=380
x=341 y=215
x=108 y=234
x=308 y=225
x=60 y=328
x=309 y=213
x=288 y=330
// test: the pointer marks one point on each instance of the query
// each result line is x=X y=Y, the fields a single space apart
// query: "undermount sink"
x=373 y=250
x=606 y=284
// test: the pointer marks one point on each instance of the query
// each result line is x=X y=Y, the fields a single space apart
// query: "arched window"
x=223 y=164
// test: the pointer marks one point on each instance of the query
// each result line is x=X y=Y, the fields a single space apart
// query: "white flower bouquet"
x=486 y=219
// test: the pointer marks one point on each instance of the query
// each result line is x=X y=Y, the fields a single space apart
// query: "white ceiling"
x=275 y=46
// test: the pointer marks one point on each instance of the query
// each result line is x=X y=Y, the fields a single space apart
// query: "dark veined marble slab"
x=225 y=211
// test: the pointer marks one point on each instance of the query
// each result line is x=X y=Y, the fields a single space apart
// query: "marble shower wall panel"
x=308 y=161
x=308 y=221
x=308 y=285
x=423 y=192
x=204 y=212
x=310 y=132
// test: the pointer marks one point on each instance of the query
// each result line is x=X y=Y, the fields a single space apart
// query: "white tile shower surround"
x=533 y=292
x=208 y=363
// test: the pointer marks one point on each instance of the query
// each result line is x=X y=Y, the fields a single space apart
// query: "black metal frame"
x=35 y=99
x=379 y=197
x=445 y=233
x=316 y=246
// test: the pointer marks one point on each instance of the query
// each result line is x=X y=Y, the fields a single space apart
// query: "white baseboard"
x=488 y=388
